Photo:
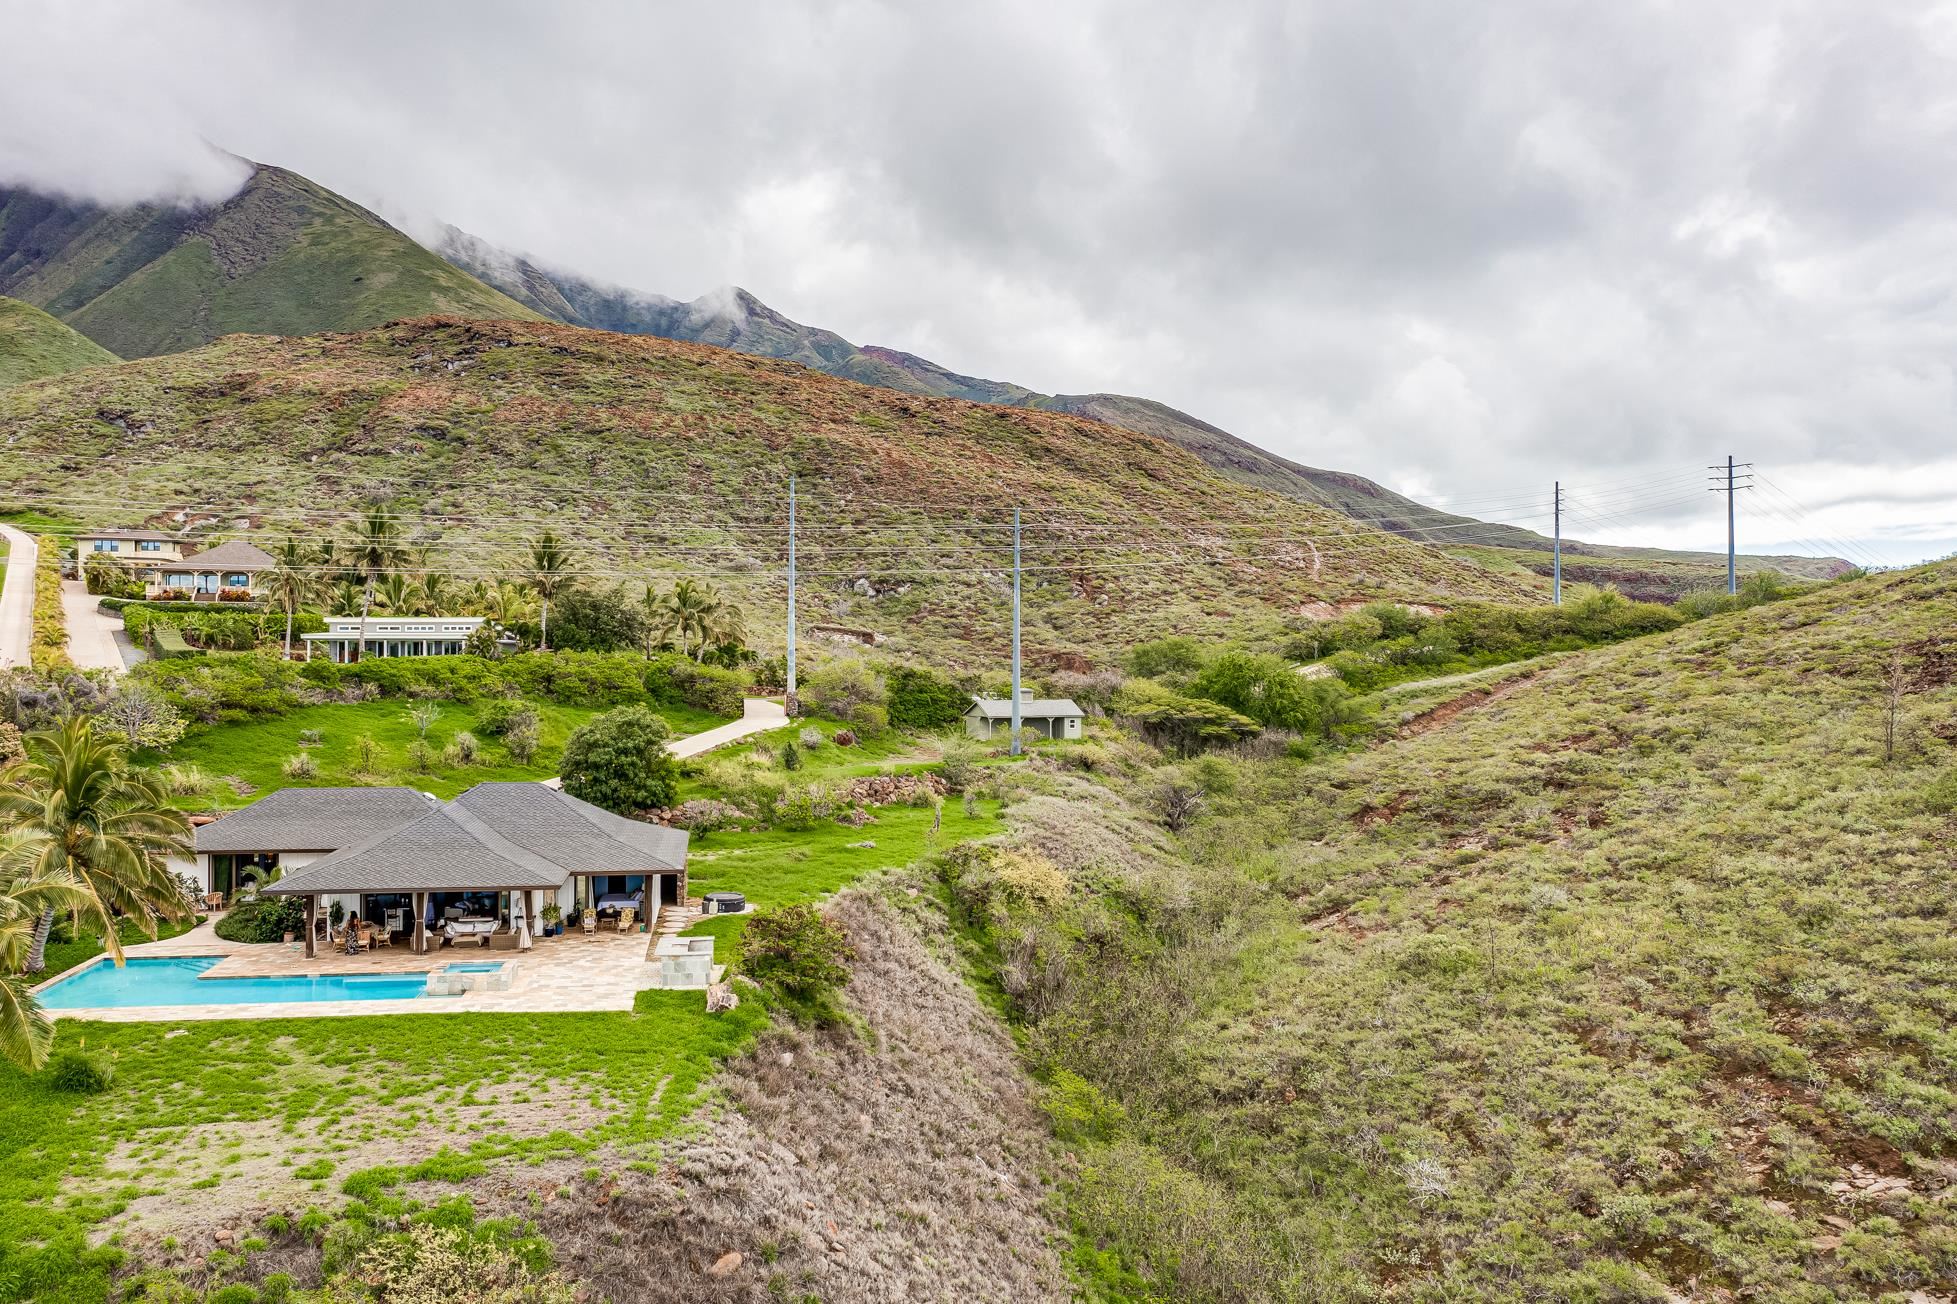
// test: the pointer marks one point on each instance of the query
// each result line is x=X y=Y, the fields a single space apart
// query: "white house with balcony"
x=349 y=638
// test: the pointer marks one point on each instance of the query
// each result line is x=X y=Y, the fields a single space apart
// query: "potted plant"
x=553 y=915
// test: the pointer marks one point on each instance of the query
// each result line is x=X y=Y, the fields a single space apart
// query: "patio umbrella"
x=519 y=922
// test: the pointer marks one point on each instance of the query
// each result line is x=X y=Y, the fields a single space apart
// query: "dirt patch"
x=1430 y=720
x=1368 y=816
x=901 y=1162
x=256 y=1161
x=1320 y=610
x=1931 y=663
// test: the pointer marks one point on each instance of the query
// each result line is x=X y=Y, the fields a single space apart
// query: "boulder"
x=721 y=997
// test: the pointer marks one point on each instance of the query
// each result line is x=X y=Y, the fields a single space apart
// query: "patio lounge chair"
x=590 y=921
x=626 y=918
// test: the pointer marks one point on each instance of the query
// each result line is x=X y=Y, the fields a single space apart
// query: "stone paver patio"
x=557 y=975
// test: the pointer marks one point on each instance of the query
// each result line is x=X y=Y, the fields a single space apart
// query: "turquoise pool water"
x=178 y=980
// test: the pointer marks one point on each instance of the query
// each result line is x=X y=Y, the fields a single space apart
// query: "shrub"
x=463 y=749
x=1178 y=723
x=1939 y=797
x=812 y=738
x=10 y=742
x=705 y=815
x=959 y=765
x=499 y=715
x=791 y=756
x=1166 y=657
x=596 y=620
x=300 y=765
x=262 y=919
x=365 y=752
x=843 y=690
x=78 y=1072
x=522 y=741
x=1269 y=690
x=844 y=738
x=674 y=679
x=619 y=761
x=224 y=687
x=801 y=809
x=795 y=950
x=920 y=699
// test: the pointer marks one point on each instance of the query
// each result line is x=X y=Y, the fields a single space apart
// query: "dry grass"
x=899 y=1159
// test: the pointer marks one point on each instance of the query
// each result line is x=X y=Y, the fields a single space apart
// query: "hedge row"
x=158 y=604
x=166 y=642
x=49 y=650
x=221 y=629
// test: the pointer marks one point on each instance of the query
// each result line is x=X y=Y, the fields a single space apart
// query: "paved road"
x=91 y=630
x=17 y=598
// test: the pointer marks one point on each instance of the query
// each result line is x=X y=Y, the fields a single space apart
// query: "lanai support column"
x=421 y=923
x=312 y=923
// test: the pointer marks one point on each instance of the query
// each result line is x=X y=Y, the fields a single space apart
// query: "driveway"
x=758 y=715
x=17 y=598
x=91 y=630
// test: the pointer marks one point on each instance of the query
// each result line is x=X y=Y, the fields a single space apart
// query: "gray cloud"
x=1462 y=249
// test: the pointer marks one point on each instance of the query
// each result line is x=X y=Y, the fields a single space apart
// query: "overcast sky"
x=1464 y=249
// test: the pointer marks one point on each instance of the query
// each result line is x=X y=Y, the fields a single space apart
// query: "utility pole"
x=1731 y=489
x=790 y=701
x=1559 y=542
x=1015 y=631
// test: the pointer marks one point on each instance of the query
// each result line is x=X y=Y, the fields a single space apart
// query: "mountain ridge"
x=34 y=345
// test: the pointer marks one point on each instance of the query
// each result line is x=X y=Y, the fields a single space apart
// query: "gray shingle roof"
x=496 y=835
x=234 y=556
x=583 y=838
x=446 y=850
x=313 y=819
x=1034 y=708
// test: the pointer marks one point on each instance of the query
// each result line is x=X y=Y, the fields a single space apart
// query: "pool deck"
x=559 y=975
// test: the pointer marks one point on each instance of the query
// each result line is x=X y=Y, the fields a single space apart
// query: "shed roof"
x=446 y=850
x=313 y=819
x=236 y=556
x=1033 y=708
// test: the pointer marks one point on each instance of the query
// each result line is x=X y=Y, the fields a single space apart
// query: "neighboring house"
x=1050 y=717
x=348 y=638
x=497 y=851
x=229 y=568
x=143 y=552
x=293 y=827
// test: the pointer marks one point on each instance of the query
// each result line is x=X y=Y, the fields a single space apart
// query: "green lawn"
x=63 y=956
x=256 y=751
x=775 y=867
x=197 y=1106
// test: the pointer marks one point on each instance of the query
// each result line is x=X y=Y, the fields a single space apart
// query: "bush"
x=1269 y=690
x=795 y=950
x=674 y=679
x=812 y=738
x=463 y=749
x=619 y=761
x=300 y=765
x=791 y=756
x=262 y=919
x=959 y=765
x=801 y=809
x=844 y=738
x=919 y=699
x=1178 y=723
x=500 y=715
x=596 y=620
x=844 y=690
x=224 y=687
x=705 y=815
x=1167 y=657
x=522 y=741
x=77 y=1072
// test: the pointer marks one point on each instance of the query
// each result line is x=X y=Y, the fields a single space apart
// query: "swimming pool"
x=178 y=980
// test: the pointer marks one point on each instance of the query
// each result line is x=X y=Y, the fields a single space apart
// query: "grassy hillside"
x=657 y=458
x=281 y=256
x=735 y=319
x=33 y=345
x=1631 y=980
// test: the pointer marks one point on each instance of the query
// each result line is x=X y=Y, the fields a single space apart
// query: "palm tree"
x=723 y=624
x=437 y=591
x=691 y=610
x=549 y=575
x=107 y=826
x=345 y=599
x=655 y=607
x=294 y=580
x=400 y=595
x=507 y=602
x=27 y=892
x=373 y=549
x=474 y=600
